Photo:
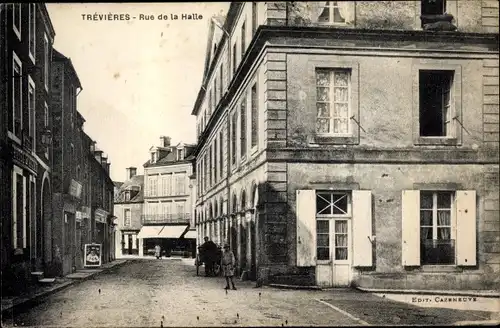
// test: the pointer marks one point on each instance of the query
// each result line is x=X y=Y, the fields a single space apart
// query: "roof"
x=171 y=157
x=57 y=56
x=135 y=181
x=211 y=32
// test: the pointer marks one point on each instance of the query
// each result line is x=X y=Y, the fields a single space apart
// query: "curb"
x=296 y=287
x=30 y=301
x=431 y=292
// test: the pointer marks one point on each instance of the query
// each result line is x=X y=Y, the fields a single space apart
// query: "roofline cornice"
x=266 y=32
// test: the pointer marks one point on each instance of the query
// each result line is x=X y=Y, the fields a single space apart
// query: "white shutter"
x=362 y=227
x=465 y=241
x=306 y=228
x=410 y=227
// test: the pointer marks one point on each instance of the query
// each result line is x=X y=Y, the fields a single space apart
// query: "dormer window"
x=153 y=157
x=127 y=195
x=180 y=154
x=333 y=13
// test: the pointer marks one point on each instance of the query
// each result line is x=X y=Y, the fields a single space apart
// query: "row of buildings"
x=56 y=193
x=156 y=208
x=350 y=143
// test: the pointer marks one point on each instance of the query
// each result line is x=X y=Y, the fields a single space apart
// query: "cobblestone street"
x=168 y=293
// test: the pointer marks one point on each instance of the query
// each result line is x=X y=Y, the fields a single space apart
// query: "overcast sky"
x=140 y=78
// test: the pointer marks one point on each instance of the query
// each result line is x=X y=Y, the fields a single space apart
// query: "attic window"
x=127 y=195
x=333 y=13
x=180 y=154
x=153 y=157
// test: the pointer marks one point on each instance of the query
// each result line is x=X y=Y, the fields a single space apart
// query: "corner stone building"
x=353 y=143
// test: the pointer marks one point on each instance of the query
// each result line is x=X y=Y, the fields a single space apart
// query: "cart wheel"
x=217 y=269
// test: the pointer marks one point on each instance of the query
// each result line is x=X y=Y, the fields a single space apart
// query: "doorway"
x=333 y=267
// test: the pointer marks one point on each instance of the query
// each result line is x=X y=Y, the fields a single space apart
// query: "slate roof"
x=137 y=181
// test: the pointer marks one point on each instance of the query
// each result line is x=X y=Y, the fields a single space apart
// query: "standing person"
x=158 y=251
x=227 y=263
x=208 y=252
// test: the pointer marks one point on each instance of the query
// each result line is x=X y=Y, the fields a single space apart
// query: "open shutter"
x=410 y=227
x=362 y=227
x=465 y=241
x=306 y=228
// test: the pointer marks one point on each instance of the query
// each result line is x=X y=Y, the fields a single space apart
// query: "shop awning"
x=162 y=231
x=191 y=234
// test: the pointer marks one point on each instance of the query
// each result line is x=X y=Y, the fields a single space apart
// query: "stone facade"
x=264 y=196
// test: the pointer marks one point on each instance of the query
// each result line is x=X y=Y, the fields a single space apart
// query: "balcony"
x=178 y=218
x=437 y=251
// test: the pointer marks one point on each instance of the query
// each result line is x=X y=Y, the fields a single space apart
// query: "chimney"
x=104 y=160
x=164 y=141
x=131 y=172
x=98 y=155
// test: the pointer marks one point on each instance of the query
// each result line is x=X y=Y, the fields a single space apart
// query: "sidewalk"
x=38 y=292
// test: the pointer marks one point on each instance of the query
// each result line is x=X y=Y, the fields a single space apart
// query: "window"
x=333 y=13
x=127 y=217
x=31 y=109
x=46 y=61
x=221 y=154
x=255 y=117
x=210 y=166
x=254 y=17
x=16 y=19
x=333 y=101
x=216 y=164
x=243 y=127
x=233 y=138
x=221 y=89
x=46 y=123
x=19 y=208
x=153 y=186
x=180 y=184
x=437 y=245
x=32 y=29
x=17 y=96
x=435 y=99
x=433 y=7
x=234 y=57
x=216 y=94
x=332 y=210
x=243 y=39
x=209 y=111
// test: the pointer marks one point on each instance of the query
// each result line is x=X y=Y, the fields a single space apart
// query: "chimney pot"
x=131 y=172
x=164 y=141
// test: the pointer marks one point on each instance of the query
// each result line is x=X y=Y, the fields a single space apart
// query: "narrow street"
x=168 y=293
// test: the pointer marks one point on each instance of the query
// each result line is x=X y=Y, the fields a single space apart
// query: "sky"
x=140 y=78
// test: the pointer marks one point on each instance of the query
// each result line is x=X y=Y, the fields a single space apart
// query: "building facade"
x=128 y=209
x=350 y=143
x=27 y=36
x=83 y=193
x=167 y=217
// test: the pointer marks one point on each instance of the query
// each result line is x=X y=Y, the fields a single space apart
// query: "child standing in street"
x=227 y=263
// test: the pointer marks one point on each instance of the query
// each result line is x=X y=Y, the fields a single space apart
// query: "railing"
x=166 y=218
x=436 y=251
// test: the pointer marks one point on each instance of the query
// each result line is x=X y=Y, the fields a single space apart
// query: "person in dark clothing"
x=208 y=253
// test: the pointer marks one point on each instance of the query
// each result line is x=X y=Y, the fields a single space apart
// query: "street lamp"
x=47 y=138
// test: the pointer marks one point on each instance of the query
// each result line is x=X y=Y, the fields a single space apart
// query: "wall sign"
x=92 y=255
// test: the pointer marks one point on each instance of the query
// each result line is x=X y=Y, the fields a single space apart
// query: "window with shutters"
x=243 y=128
x=32 y=29
x=16 y=19
x=437 y=236
x=332 y=208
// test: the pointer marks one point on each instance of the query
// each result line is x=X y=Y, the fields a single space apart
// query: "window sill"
x=336 y=140
x=440 y=268
x=439 y=141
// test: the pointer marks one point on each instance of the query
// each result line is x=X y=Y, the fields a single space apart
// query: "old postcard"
x=319 y=163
